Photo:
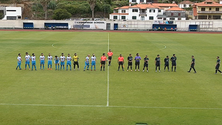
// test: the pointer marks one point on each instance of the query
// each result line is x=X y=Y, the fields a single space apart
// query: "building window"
x=172 y=18
x=159 y=11
x=179 y=18
x=150 y=17
x=133 y=0
x=209 y=2
x=123 y=17
x=209 y=8
x=202 y=9
x=216 y=17
x=184 y=5
x=154 y=11
x=217 y=9
x=179 y=14
x=150 y=11
x=114 y=17
x=11 y=10
x=123 y=11
x=134 y=17
x=142 y=18
x=202 y=17
x=141 y=1
x=135 y=10
x=171 y=14
x=11 y=17
x=143 y=11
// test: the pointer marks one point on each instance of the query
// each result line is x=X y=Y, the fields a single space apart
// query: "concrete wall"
x=39 y=24
x=182 y=25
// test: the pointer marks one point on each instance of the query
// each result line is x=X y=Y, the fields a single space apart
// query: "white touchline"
x=102 y=106
x=107 y=101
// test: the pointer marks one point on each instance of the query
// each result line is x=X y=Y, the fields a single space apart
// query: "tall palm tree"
x=92 y=4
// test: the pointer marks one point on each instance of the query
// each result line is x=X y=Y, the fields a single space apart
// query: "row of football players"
x=60 y=61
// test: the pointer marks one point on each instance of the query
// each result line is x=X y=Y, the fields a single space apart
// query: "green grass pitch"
x=80 y=98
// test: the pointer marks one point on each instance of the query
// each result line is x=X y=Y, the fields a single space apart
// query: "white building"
x=141 y=11
x=12 y=13
x=175 y=13
x=186 y=4
x=143 y=1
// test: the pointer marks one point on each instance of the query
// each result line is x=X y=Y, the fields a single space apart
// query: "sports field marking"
x=164 y=47
x=107 y=101
x=103 y=106
x=53 y=45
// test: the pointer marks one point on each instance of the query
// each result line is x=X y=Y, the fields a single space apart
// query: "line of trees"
x=65 y=9
x=74 y=9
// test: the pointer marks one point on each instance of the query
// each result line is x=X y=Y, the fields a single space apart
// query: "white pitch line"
x=164 y=47
x=53 y=45
x=102 y=106
x=107 y=101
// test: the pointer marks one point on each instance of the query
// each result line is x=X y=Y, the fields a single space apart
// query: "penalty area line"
x=102 y=106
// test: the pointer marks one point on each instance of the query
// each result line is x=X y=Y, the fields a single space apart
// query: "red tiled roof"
x=165 y=4
x=204 y=4
x=119 y=13
x=123 y=7
x=144 y=6
x=186 y=2
x=175 y=9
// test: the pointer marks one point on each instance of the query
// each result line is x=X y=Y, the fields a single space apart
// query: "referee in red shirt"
x=103 y=62
x=120 y=61
x=110 y=54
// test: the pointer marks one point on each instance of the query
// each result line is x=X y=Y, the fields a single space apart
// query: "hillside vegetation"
x=66 y=9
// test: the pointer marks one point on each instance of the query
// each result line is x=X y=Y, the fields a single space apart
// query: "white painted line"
x=53 y=45
x=107 y=100
x=164 y=47
x=50 y=105
x=103 y=106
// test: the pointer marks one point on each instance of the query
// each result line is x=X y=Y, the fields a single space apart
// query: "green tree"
x=52 y=5
x=45 y=4
x=92 y=4
x=60 y=14
x=1 y=14
x=71 y=9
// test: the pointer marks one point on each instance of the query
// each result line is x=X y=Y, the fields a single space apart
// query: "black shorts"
x=76 y=63
x=166 y=64
x=174 y=64
x=218 y=66
x=103 y=62
x=120 y=63
x=157 y=64
x=145 y=64
x=130 y=63
x=110 y=57
x=192 y=66
x=137 y=63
